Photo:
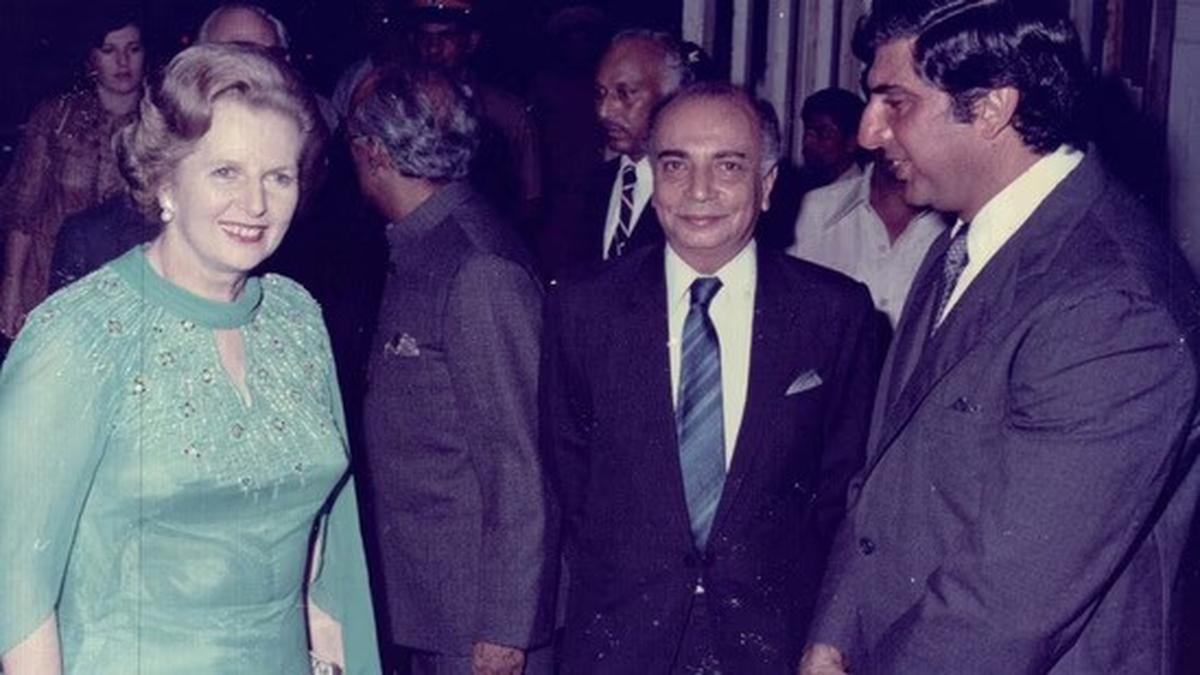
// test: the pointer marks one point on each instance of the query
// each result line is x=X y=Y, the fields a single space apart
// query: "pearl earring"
x=168 y=213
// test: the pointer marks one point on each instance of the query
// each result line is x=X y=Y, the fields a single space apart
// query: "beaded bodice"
x=198 y=506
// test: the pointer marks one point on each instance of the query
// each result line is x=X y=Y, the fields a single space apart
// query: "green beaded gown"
x=167 y=520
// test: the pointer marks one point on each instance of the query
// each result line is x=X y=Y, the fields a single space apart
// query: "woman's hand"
x=38 y=654
x=493 y=659
x=822 y=659
x=325 y=637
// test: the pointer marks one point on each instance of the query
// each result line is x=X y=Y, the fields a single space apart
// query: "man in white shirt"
x=831 y=155
x=830 y=142
x=249 y=23
x=862 y=227
x=1030 y=477
x=704 y=404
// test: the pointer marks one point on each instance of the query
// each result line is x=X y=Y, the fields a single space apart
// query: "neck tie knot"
x=703 y=291
x=956 y=255
x=628 y=177
x=955 y=261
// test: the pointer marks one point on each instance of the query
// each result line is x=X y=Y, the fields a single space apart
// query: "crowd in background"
x=575 y=372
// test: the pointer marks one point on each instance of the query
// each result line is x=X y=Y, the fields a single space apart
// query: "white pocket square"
x=809 y=379
x=402 y=344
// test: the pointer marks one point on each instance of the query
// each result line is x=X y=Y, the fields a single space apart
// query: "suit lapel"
x=976 y=312
x=909 y=340
x=1003 y=293
x=603 y=186
x=773 y=344
x=914 y=322
x=647 y=358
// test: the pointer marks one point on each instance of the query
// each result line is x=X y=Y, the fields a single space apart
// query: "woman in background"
x=174 y=496
x=65 y=161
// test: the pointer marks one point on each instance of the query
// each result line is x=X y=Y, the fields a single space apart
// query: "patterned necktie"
x=952 y=267
x=699 y=419
x=624 y=229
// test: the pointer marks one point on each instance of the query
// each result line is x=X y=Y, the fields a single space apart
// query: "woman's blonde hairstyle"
x=177 y=111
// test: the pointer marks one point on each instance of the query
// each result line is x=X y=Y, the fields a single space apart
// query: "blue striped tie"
x=699 y=420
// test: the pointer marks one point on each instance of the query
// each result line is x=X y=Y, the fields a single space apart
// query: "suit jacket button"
x=866 y=546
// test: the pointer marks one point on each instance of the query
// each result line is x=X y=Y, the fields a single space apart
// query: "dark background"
x=40 y=52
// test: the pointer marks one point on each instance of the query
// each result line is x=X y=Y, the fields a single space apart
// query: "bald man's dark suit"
x=1030 y=484
x=642 y=599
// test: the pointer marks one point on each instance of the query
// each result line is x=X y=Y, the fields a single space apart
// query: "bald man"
x=243 y=22
x=247 y=23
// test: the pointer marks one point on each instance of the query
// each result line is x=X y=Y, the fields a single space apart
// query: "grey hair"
x=204 y=35
x=425 y=121
x=675 y=70
x=763 y=113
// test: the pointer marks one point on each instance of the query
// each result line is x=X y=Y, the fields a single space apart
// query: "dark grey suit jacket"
x=454 y=478
x=1022 y=509
x=633 y=604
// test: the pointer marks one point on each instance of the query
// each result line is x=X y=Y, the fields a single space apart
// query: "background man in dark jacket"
x=639 y=69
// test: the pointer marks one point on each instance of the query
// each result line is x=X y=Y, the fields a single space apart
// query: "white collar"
x=1005 y=212
x=852 y=171
x=641 y=164
x=737 y=275
x=859 y=194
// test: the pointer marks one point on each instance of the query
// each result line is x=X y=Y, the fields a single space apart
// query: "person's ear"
x=370 y=151
x=360 y=148
x=995 y=110
x=381 y=160
x=768 y=184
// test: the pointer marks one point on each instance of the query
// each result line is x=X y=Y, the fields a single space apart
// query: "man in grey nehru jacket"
x=463 y=536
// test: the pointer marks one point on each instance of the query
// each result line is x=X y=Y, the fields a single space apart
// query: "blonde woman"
x=175 y=488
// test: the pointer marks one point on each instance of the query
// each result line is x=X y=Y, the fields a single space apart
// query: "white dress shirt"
x=838 y=228
x=732 y=315
x=1003 y=214
x=853 y=171
x=641 y=197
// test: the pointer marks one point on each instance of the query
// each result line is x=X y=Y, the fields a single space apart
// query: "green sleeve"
x=341 y=587
x=52 y=413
